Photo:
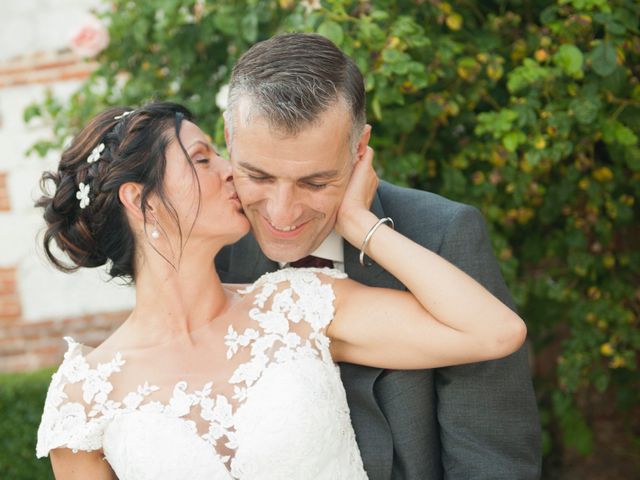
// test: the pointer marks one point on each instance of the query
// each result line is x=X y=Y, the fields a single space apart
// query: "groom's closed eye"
x=315 y=181
x=259 y=178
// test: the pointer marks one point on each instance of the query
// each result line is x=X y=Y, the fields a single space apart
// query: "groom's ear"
x=364 y=141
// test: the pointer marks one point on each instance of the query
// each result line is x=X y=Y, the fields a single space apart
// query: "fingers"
x=368 y=155
x=368 y=177
x=363 y=182
x=354 y=217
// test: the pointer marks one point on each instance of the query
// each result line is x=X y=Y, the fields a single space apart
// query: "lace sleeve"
x=76 y=408
x=293 y=306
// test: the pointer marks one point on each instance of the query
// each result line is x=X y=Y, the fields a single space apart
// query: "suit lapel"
x=247 y=263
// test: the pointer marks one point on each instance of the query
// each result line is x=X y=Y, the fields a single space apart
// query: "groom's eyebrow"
x=327 y=174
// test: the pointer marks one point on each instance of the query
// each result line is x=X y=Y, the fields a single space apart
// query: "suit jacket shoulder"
x=420 y=215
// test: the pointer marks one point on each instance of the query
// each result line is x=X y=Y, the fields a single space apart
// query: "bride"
x=211 y=381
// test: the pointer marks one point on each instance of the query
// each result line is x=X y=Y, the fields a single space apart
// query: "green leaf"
x=632 y=158
x=32 y=111
x=625 y=136
x=332 y=31
x=603 y=59
x=525 y=75
x=250 y=27
x=375 y=106
x=601 y=381
x=585 y=109
x=570 y=59
x=610 y=23
x=512 y=140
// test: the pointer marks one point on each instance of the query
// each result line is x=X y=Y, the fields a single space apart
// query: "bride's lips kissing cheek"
x=234 y=198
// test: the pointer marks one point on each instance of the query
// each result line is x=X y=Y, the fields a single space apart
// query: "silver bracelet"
x=388 y=220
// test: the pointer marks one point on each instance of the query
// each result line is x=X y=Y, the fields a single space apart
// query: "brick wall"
x=38 y=306
x=27 y=346
x=5 y=205
x=44 y=68
x=10 y=308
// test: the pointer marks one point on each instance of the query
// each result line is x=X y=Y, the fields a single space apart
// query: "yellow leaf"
x=603 y=174
x=609 y=261
x=584 y=183
x=617 y=362
x=606 y=349
x=454 y=21
x=495 y=71
x=540 y=143
x=445 y=7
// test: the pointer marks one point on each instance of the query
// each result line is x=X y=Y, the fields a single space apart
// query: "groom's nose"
x=282 y=205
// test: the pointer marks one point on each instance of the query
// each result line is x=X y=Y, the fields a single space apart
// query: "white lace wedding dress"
x=259 y=400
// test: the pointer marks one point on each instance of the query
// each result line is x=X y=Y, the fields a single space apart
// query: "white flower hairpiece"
x=95 y=154
x=83 y=194
x=122 y=115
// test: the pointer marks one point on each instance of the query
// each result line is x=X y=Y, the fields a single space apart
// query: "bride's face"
x=200 y=190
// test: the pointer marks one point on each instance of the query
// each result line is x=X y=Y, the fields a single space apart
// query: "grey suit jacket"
x=477 y=421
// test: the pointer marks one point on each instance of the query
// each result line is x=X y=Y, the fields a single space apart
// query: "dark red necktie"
x=312 y=262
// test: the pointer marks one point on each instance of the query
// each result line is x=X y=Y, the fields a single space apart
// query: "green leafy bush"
x=21 y=402
x=529 y=110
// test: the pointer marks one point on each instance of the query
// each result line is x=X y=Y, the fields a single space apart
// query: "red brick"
x=12 y=346
x=30 y=345
x=10 y=307
x=8 y=281
x=47 y=74
x=5 y=204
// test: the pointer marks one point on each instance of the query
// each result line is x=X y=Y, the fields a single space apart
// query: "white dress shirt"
x=331 y=248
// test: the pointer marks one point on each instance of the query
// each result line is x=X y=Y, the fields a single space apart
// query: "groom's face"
x=291 y=187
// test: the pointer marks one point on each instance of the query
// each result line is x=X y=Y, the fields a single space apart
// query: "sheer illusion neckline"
x=189 y=337
x=274 y=392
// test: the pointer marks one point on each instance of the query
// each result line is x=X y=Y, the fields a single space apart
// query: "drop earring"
x=155 y=234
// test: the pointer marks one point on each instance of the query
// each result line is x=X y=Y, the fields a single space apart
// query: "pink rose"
x=90 y=38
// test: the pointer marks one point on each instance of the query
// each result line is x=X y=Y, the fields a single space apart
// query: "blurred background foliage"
x=529 y=110
x=21 y=403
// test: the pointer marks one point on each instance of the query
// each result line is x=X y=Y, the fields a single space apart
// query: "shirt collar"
x=331 y=248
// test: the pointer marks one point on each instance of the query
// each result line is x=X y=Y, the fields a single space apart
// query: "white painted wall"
x=27 y=26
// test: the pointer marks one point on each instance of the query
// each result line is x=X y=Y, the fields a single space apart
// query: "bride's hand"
x=354 y=216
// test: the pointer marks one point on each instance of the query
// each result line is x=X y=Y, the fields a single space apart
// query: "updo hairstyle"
x=98 y=233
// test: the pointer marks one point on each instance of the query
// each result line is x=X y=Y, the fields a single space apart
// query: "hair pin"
x=95 y=154
x=83 y=195
x=122 y=115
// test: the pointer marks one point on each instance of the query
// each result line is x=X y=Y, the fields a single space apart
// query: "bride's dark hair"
x=134 y=151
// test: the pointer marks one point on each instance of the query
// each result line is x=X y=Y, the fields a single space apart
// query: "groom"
x=294 y=125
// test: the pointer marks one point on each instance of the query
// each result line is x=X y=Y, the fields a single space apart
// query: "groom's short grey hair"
x=291 y=79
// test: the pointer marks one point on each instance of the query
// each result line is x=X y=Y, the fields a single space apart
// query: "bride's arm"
x=81 y=465
x=446 y=318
